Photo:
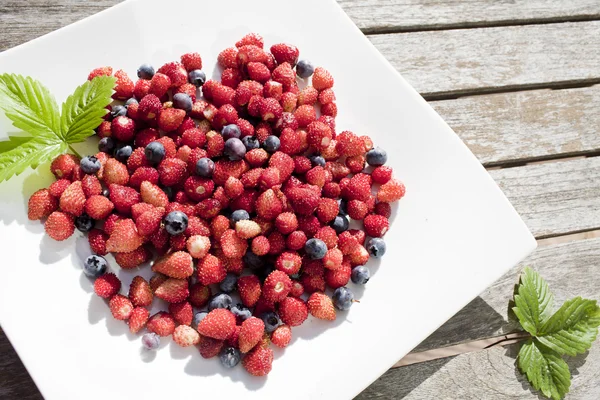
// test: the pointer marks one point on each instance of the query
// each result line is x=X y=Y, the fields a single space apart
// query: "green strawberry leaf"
x=12 y=142
x=545 y=369
x=29 y=154
x=533 y=301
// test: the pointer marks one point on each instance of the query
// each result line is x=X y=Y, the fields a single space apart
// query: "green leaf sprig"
x=569 y=331
x=46 y=132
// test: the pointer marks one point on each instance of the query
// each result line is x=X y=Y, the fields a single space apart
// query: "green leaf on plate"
x=545 y=369
x=29 y=154
x=12 y=142
x=533 y=301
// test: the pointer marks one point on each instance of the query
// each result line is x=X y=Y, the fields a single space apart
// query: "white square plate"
x=452 y=235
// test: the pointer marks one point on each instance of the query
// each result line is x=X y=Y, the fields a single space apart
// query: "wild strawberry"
x=357 y=209
x=348 y=144
x=276 y=243
x=247 y=229
x=197 y=226
x=358 y=256
x=57 y=188
x=305 y=115
x=142 y=174
x=63 y=165
x=391 y=191
x=124 y=237
x=123 y=129
x=111 y=222
x=312 y=283
x=97 y=240
x=176 y=73
x=211 y=270
x=309 y=224
x=41 y=204
x=136 y=160
x=59 y=225
x=177 y=242
x=383 y=209
x=257 y=157
x=333 y=259
x=327 y=234
x=123 y=198
x=150 y=221
x=198 y=246
x=133 y=258
x=91 y=186
x=103 y=130
x=169 y=145
x=210 y=347
x=258 y=72
x=284 y=74
x=249 y=289
x=322 y=79
x=185 y=336
x=208 y=208
x=140 y=292
x=331 y=190
x=115 y=173
x=289 y=263
x=250 y=53
x=268 y=205
x=173 y=290
x=137 y=319
x=329 y=109
x=286 y=223
x=176 y=265
x=251 y=333
x=221 y=95
x=182 y=312
x=73 y=199
x=231 y=77
x=283 y=163
x=308 y=95
x=219 y=225
x=198 y=189
x=161 y=323
x=259 y=361
x=281 y=336
x=277 y=286
x=376 y=225
x=172 y=171
x=107 y=285
x=120 y=307
x=304 y=201
x=319 y=135
x=141 y=89
x=98 y=207
x=284 y=52
x=326 y=96
x=218 y=324
x=226 y=58
x=191 y=61
x=149 y=108
x=260 y=245
x=289 y=101
x=339 y=277
x=232 y=245
x=199 y=295
x=273 y=89
x=356 y=163
x=169 y=119
x=381 y=174
x=359 y=188
x=321 y=306
x=101 y=71
x=152 y=194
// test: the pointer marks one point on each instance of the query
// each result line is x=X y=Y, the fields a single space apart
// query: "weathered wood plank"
x=525 y=126
x=456 y=62
x=411 y=15
x=15 y=382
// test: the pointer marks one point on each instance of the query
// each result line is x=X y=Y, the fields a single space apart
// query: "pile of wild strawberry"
x=245 y=190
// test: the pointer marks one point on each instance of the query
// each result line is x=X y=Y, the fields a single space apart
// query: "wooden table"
x=517 y=80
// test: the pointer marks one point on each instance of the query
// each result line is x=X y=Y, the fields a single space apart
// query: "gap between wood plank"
x=560 y=157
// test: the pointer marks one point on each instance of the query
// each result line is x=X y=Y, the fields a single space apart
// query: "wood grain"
x=525 y=126
x=441 y=64
x=407 y=15
x=15 y=382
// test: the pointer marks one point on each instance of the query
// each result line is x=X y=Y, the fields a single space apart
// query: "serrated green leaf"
x=12 y=142
x=573 y=328
x=82 y=112
x=29 y=105
x=533 y=301
x=545 y=369
x=29 y=154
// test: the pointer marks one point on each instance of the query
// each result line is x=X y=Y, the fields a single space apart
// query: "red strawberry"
x=305 y=115
x=73 y=199
x=222 y=95
x=296 y=240
x=149 y=222
x=268 y=205
x=124 y=237
x=276 y=243
x=326 y=96
x=284 y=74
x=59 y=225
x=293 y=311
x=357 y=209
x=198 y=189
x=209 y=347
x=312 y=283
x=308 y=95
x=57 y=188
x=142 y=174
x=289 y=101
x=199 y=295
x=376 y=225
x=198 y=246
x=382 y=174
x=141 y=89
x=191 y=61
x=123 y=128
x=107 y=285
x=140 y=292
x=231 y=77
x=120 y=307
x=138 y=209
x=137 y=319
x=309 y=224
x=123 y=87
x=346 y=242
x=259 y=361
x=383 y=209
x=358 y=256
x=186 y=336
x=176 y=73
x=182 y=312
x=391 y=191
x=149 y=107
x=247 y=229
x=284 y=52
x=136 y=160
x=152 y=194
x=233 y=187
x=232 y=340
x=339 y=277
x=218 y=324
x=170 y=119
x=286 y=222
x=348 y=144
x=232 y=245
x=277 y=286
x=322 y=79
x=297 y=289
x=281 y=336
x=133 y=258
x=98 y=207
x=123 y=198
x=211 y=270
x=358 y=188
x=172 y=171
x=321 y=306
x=173 y=290
x=249 y=289
x=226 y=58
x=97 y=239
x=327 y=210
x=319 y=135
x=41 y=204
x=258 y=72
x=251 y=39
x=101 y=71
x=289 y=263
x=251 y=333
x=333 y=259
x=328 y=235
x=161 y=323
x=63 y=165
x=91 y=186
x=260 y=245
x=304 y=200
x=176 y=265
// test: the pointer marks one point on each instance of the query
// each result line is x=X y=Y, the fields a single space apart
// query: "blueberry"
x=271 y=321
x=150 y=341
x=230 y=357
x=360 y=275
x=340 y=224
x=94 y=266
x=118 y=111
x=205 y=167
x=90 y=165
x=315 y=248
x=176 y=222
x=221 y=300
x=227 y=285
x=84 y=223
x=376 y=157
x=235 y=149
x=131 y=101
x=183 y=101
x=239 y=215
x=376 y=247
x=343 y=207
x=231 y=131
x=253 y=261
x=106 y=145
x=271 y=144
x=197 y=77
x=106 y=192
x=317 y=160
x=154 y=152
x=145 y=71
x=343 y=298
x=304 y=69
x=199 y=316
x=122 y=154
x=169 y=192
x=264 y=272
x=250 y=142
x=241 y=312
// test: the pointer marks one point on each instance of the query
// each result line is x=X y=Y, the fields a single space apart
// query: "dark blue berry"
x=315 y=248
x=271 y=321
x=84 y=223
x=231 y=131
x=340 y=224
x=228 y=284
x=145 y=71
x=94 y=266
x=176 y=222
x=343 y=298
x=154 y=152
x=253 y=261
x=304 y=69
x=131 y=101
x=106 y=192
x=222 y=300
x=90 y=165
x=271 y=144
x=230 y=357
x=106 y=145
x=197 y=77
x=241 y=312
x=264 y=272
x=169 y=192
x=199 y=316
x=122 y=153
x=343 y=203
x=376 y=157
x=235 y=149
x=360 y=275
x=150 y=341
x=205 y=167
x=182 y=101
x=317 y=160
x=376 y=247
x=118 y=111
x=250 y=142
x=239 y=215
